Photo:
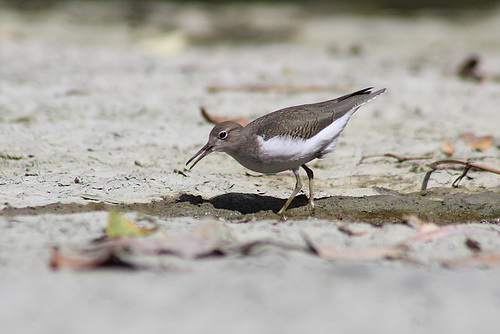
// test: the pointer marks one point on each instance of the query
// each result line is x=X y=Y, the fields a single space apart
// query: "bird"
x=288 y=138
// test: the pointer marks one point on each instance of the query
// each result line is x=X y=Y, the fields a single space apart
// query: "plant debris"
x=219 y=119
x=120 y=226
x=129 y=245
x=86 y=260
x=447 y=148
x=399 y=158
x=457 y=164
x=480 y=143
x=275 y=88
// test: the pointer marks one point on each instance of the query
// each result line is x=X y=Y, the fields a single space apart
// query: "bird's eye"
x=223 y=135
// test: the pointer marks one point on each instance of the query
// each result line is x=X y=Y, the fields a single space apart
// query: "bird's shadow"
x=245 y=203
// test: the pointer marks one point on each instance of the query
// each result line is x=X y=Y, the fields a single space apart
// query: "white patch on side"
x=288 y=150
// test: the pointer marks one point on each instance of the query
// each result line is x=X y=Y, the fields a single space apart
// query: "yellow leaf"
x=119 y=226
x=447 y=148
x=480 y=143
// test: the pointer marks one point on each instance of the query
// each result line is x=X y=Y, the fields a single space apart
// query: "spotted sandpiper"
x=288 y=138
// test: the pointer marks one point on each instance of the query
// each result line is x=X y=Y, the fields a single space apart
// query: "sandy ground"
x=97 y=115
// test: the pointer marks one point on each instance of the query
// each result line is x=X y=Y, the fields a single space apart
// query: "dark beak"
x=207 y=149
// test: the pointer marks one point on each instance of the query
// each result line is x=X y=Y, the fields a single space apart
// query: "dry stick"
x=468 y=166
x=267 y=88
x=399 y=158
x=219 y=119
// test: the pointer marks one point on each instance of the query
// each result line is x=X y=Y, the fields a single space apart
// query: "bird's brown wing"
x=307 y=120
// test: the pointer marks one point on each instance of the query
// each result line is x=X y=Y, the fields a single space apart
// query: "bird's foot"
x=311 y=205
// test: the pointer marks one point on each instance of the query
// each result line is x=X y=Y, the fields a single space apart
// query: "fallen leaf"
x=120 y=226
x=219 y=119
x=88 y=260
x=480 y=143
x=447 y=148
x=208 y=239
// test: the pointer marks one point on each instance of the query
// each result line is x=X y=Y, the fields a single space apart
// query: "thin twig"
x=467 y=165
x=399 y=158
x=276 y=87
x=219 y=119
x=458 y=179
x=470 y=163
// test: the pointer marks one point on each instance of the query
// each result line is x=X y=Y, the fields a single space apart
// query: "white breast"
x=284 y=153
x=286 y=148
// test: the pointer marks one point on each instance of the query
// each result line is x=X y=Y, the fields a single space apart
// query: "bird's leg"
x=310 y=175
x=298 y=186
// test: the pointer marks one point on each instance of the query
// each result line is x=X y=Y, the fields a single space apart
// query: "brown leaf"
x=87 y=260
x=447 y=148
x=209 y=238
x=480 y=143
x=219 y=119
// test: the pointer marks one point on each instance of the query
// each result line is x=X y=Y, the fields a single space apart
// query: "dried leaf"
x=477 y=260
x=120 y=226
x=88 y=260
x=219 y=119
x=447 y=148
x=332 y=253
x=206 y=240
x=480 y=143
